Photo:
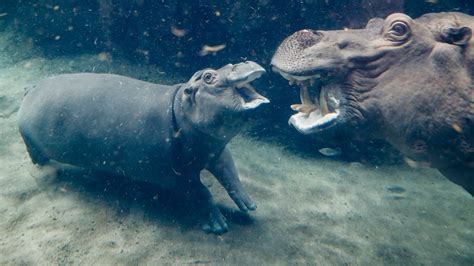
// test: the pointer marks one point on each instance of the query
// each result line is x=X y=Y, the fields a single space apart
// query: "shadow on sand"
x=122 y=194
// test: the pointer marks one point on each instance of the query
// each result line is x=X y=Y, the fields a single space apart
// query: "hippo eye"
x=399 y=28
x=209 y=78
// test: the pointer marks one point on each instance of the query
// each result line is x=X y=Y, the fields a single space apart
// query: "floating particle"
x=103 y=56
x=56 y=8
x=416 y=164
x=456 y=127
x=27 y=64
x=3 y=14
x=217 y=13
x=431 y=1
x=143 y=52
x=177 y=32
x=330 y=151
x=206 y=49
x=57 y=37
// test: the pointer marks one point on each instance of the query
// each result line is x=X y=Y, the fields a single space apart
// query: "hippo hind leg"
x=36 y=156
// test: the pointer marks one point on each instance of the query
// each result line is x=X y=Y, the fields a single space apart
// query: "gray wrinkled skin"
x=145 y=131
x=409 y=81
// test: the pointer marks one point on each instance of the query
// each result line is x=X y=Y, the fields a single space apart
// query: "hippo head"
x=217 y=101
x=409 y=81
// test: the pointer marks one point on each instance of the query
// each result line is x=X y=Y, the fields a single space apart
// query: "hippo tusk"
x=304 y=95
x=304 y=108
x=322 y=103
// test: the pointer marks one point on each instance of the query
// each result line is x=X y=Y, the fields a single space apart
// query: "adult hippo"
x=145 y=131
x=408 y=81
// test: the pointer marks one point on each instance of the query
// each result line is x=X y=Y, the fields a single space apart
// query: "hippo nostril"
x=307 y=38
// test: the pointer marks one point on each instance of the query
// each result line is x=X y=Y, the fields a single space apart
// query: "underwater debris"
x=416 y=164
x=103 y=56
x=456 y=127
x=330 y=151
x=178 y=32
x=206 y=49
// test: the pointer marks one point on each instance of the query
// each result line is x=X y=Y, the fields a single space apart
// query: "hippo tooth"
x=291 y=81
x=303 y=108
x=312 y=81
x=304 y=95
x=322 y=103
x=333 y=101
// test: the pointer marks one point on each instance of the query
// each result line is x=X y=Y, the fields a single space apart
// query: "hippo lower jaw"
x=250 y=98
x=318 y=114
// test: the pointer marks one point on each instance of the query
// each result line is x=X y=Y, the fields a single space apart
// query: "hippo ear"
x=456 y=35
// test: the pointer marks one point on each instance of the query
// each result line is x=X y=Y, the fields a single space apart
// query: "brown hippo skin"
x=149 y=132
x=408 y=81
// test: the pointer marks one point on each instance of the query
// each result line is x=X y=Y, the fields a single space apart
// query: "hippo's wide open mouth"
x=249 y=97
x=320 y=106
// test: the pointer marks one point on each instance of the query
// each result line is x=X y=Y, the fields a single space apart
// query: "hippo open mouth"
x=249 y=97
x=320 y=101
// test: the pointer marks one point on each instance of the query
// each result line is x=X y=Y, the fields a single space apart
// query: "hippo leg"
x=35 y=154
x=210 y=217
x=461 y=175
x=223 y=168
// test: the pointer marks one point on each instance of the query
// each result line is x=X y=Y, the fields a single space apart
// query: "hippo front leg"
x=210 y=217
x=223 y=168
x=462 y=175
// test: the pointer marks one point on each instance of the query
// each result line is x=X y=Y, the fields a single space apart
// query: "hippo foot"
x=243 y=200
x=215 y=222
x=209 y=216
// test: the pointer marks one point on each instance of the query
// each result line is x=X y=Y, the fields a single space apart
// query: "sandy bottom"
x=311 y=210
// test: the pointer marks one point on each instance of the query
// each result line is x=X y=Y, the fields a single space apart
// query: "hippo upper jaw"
x=323 y=64
x=236 y=78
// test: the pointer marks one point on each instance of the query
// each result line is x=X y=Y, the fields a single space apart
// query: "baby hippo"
x=144 y=131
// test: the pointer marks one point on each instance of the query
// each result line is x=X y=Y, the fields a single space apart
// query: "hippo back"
x=101 y=121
